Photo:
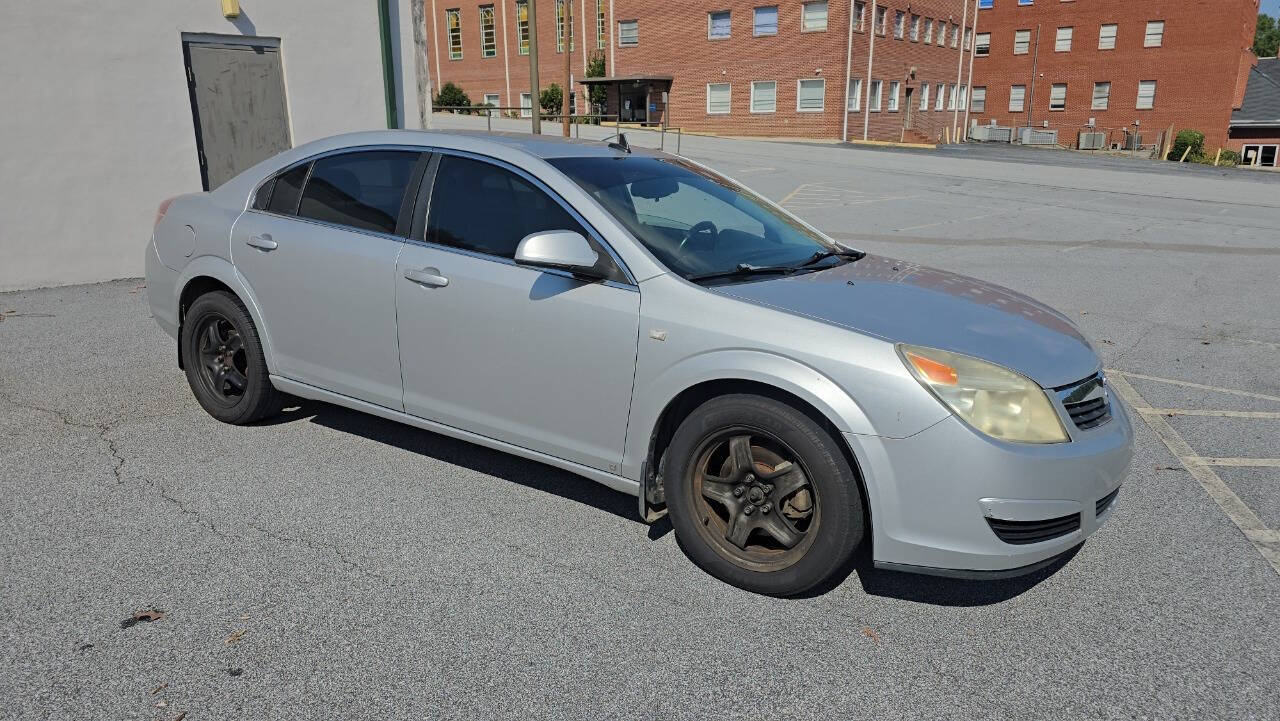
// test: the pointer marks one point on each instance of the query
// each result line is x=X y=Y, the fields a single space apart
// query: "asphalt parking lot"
x=328 y=564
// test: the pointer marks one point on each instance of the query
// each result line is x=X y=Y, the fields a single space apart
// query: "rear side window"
x=363 y=190
x=262 y=198
x=482 y=207
x=287 y=190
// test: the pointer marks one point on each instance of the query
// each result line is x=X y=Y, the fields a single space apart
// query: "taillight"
x=164 y=208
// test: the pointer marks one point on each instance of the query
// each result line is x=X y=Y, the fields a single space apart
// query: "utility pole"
x=533 y=67
x=567 y=33
x=1035 y=62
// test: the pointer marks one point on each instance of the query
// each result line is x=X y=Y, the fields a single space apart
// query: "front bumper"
x=931 y=494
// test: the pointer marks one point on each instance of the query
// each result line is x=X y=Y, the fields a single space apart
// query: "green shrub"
x=1229 y=158
x=550 y=99
x=1193 y=139
x=451 y=95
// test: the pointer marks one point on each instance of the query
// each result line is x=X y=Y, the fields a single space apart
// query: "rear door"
x=319 y=251
x=534 y=357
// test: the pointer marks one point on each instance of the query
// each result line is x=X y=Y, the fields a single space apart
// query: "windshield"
x=695 y=222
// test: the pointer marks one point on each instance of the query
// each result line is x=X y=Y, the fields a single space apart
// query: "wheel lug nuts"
x=749 y=478
x=766 y=508
x=737 y=492
x=748 y=510
x=767 y=488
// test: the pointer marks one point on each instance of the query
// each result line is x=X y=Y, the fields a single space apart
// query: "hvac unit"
x=1093 y=141
x=1036 y=136
x=1132 y=141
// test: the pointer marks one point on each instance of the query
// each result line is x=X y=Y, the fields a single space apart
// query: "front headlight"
x=995 y=400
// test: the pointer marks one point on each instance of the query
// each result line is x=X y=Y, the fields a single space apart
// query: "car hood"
x=908 y=303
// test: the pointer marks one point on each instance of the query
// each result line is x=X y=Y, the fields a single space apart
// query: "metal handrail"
x=488 y=110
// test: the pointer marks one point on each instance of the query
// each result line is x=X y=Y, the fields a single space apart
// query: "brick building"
x=1158 y=63
x=1255 y=127
x=739 y=67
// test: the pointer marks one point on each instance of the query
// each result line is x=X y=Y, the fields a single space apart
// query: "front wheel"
x=761 y=496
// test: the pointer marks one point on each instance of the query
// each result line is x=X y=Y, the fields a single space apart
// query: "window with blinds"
x=811 y=94
x=718 y=98
x=764 y=96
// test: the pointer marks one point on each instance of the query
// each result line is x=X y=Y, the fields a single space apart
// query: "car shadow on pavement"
x=940 y=591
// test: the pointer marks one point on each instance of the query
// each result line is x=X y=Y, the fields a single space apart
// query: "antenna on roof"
x=621 y=144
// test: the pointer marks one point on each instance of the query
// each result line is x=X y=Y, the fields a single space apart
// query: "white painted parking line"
x=1188 y=384
x=1231 y=462
x=1273 y=415
x=1262 y=537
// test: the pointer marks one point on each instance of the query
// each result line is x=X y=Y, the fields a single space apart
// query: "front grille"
x=1020 y=533
x=1104 y=503
x=1086 y=402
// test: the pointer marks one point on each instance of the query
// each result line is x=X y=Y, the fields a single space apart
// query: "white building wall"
x=96 y=126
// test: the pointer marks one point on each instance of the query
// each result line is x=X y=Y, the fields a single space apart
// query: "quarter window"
x=453 y=21
x=288 y=190
x=814 y=16
x=363 y=190
x=480 y=207
x=766 y=21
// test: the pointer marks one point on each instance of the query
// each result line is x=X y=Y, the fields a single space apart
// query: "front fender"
x=221 y=270
x=786 y=374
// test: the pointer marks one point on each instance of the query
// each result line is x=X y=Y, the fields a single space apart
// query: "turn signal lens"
x=995 y=400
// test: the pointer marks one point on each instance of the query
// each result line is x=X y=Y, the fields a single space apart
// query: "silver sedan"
x=641 y=320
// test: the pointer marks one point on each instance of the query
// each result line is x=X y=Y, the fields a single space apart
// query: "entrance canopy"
x=635 y=98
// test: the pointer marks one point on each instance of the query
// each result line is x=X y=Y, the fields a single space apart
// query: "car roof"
x=538 y=146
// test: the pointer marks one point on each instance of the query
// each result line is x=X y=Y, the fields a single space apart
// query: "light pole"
x=535 y=110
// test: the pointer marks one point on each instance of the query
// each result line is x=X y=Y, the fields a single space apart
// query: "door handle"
x=263 y=242
x=429 y=277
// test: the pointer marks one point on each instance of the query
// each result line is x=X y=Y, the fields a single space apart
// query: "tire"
x=710 y=484
x=224 y=362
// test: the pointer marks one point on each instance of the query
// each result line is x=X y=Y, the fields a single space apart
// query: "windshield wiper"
x=744 y=270
x=852 y=255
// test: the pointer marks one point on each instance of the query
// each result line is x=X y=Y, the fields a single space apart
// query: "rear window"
x=362 y=190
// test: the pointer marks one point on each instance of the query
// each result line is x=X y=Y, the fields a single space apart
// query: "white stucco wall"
x=95 y=118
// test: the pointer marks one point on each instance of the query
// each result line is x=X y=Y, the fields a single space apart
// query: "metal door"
x=910 y=109
x=238 y=104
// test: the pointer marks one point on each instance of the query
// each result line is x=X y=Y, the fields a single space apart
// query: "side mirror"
x=558 y=249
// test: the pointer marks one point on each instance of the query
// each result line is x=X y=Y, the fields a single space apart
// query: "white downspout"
x=972 y=49
x=506 y=58
x=848 y=75
x=871 y=55
x=955 y=114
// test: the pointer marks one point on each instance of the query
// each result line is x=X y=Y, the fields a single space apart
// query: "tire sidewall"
x=258 y=394
x=841 y=528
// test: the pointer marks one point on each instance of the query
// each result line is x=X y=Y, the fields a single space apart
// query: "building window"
x=873 y=102
x=964 y=97
x=940 y=96
x=855 y=94
x=1107 y=37
x=1017 y=98
x=1026 y=2
x=600 y=25
x=894 y=91
x=968 y=38
x=1101 y=96
x=526 y=105
x=899 y=24
x=1058 y=96
x=983 y=48
x=453 y=21
x=882 y=20
x=1021 y=42
x=766 y=21
x=718 y=25
x=764 y=96
x=915 y=28
x=1062 y=44
x=1155 y=34
x=924 y=96
x=718 y=95
x=986 y=4
x=979 y=104
x=492 y=100
x=860 y=16
x=560 y=28
x=928 y=31
x=955 y=35
x=814 y=16
x=628 y=33
x=1146 y=94
x=488 y=36
x=951 y=97
x=522 y=25
x=811 y=94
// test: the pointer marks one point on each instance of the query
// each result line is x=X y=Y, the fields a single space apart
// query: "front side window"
x=811 y=95
x=481 y=207
x=522 y=25
x=1021 y=42
x=718 y=98
x=764 y=96
x=765 y=21
x=488 y=36
x=1101 y=96
x=979 y=101
x=814 y=16
x=362 y=190
x=718 y=25
x=983 y=47
x=1107 y=37
x=1017 y=98
x=628 y=33
x=1155 y=34
x=1058 y=96
x=694 y=221
x=453 y=21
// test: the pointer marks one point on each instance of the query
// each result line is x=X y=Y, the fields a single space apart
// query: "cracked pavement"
x=372 y=570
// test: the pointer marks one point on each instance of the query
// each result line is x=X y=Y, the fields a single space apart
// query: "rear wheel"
x=225 y=365
x=761 y=496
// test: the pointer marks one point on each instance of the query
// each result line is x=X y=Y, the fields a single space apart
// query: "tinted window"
x=263 y=197
x=363 y=190
x=482 y=207
x=288 y=188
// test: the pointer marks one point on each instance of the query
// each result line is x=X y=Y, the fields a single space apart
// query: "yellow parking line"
x=792 y=194
x=1189 y=384
x=1240 y=514
x=1231 y=462
x=1210 y=414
